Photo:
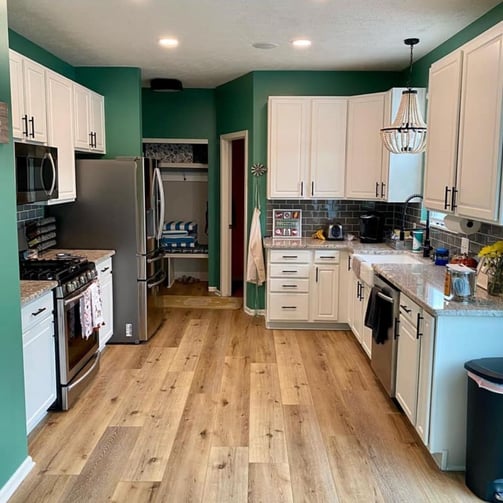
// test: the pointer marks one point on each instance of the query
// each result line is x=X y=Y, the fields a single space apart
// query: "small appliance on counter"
x=334 y=232
x=372 y=227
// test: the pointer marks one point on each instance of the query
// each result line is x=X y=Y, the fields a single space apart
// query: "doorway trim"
x=226 y=211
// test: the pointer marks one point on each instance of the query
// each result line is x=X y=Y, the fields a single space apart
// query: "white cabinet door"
x=97 y=121
x=81 y=108
x=357 y=301
x=288 y=147
x=407 y=368
x=325 y=292
x=28 y=100
x=60 y=133
x=105 y=278
x=39 y=358
x=364 y=147
x=427 y=338
x=345 y=297
x=442 y=140
x=480 y=134
x=89 y=120
x=366 y=332
x=19 y=124
x=328 y=147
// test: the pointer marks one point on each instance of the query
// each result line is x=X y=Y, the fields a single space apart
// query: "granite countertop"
x=31 y=290
x=423 y=283
x=91 y=255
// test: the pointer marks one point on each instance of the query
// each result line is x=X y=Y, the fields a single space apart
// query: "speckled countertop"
x=423 y=283
x=30 y=290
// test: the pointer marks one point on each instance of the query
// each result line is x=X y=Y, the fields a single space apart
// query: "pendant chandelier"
x=407 y=134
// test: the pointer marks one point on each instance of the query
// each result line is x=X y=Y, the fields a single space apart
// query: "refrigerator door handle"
x=160 y=191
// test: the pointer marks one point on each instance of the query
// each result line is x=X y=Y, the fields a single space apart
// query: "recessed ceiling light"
x=265 y=45
x=168 y=42
x=301 y=42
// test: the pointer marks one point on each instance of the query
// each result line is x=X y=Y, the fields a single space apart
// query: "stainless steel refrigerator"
x=120 y=206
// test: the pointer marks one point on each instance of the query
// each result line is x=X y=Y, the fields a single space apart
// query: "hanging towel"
x=379 y=315
x=91 y=310
x=255 y=272
x=96 y=304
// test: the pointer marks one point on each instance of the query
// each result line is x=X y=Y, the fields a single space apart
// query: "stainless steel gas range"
x=77 y=355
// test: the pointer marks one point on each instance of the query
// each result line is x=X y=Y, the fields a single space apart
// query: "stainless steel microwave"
x=36 y=173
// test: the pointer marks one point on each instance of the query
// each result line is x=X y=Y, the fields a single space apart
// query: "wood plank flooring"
x=215 y=408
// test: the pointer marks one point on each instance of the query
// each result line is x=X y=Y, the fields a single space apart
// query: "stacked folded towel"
x=179 y=234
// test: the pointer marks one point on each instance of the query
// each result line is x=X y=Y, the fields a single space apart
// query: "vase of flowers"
x=493 y=260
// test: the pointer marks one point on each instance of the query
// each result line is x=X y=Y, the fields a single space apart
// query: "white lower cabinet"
x=302 y=286
x=107 y=297
x=359 y=297
x=39 y=358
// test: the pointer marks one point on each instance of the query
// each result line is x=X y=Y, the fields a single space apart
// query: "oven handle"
x=89 y=370
x=76 y=297
x=158 y=282
x=385 y=297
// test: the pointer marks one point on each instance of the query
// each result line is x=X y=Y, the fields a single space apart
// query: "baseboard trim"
x=304 y=325
x=17 y=478
x=254 y=312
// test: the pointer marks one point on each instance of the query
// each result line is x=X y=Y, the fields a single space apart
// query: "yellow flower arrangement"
x=493 y=258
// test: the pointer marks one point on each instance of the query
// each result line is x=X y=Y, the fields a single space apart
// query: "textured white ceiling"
x=216 y=36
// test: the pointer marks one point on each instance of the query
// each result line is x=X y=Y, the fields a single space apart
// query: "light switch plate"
x=465 y=245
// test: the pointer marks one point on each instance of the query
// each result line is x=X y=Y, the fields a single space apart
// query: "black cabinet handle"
x=301 y=188
x=91 y=139
x=453 y=199
x=95 y=142
x=405 y=308
x=446 y=196
x=316 y=275
x=32 y=121
x=312 y=188
x=105 y=269
x=377 y=189
x=289 y=286
x=349 y=262
x=382 y=189
x=41 y=310
x=289 y=307
x=418 y=332
x=25 y=129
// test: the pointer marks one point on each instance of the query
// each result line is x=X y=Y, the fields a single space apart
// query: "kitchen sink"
x=390 y=258
x=366 y=272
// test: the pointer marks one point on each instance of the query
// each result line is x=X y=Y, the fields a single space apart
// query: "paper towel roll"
x=461 y=225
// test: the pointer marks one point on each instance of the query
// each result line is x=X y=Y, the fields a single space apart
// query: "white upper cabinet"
x=60 y=133
x=28 y=99
x=89 y=120
x=467 y=84
x=373 y=173
x=306 y=147
x=364 y=147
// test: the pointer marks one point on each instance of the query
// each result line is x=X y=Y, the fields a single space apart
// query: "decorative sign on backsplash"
x=4 y=123
x=287 y=223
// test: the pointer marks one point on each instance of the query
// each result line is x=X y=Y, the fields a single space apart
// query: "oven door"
x=75 y=350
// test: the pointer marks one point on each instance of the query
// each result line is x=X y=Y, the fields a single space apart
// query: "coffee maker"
x=372 y=227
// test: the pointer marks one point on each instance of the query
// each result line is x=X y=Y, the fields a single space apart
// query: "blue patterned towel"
x=179 y=225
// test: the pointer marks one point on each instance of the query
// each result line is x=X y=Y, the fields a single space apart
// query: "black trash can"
x=484 y=428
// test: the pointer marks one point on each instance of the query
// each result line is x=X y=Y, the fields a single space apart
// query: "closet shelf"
x=183 y=165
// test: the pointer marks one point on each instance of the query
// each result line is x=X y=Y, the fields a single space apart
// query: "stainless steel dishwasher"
x=383 y=360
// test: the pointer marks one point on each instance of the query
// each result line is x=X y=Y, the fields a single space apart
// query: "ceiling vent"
x=166 y=85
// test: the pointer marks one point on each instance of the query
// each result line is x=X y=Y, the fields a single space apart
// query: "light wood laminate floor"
x=215 y=408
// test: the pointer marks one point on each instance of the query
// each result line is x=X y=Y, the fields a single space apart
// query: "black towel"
x=379 y=314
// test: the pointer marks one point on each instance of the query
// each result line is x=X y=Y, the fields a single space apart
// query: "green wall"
x=121 y=88
x=13 y=444
x=37 y=53
x=189 y=114
x=421 y=68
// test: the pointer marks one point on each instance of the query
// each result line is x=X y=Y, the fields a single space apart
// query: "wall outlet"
x=465 y=245
x=129 y=330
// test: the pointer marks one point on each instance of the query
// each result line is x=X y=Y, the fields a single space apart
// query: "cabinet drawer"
x=289 y=285
x=288 y=306
x=289 y=271
x=36 y=311
x=326 y=257
x=409 y=309
x=104 y=267
x=299 y=256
